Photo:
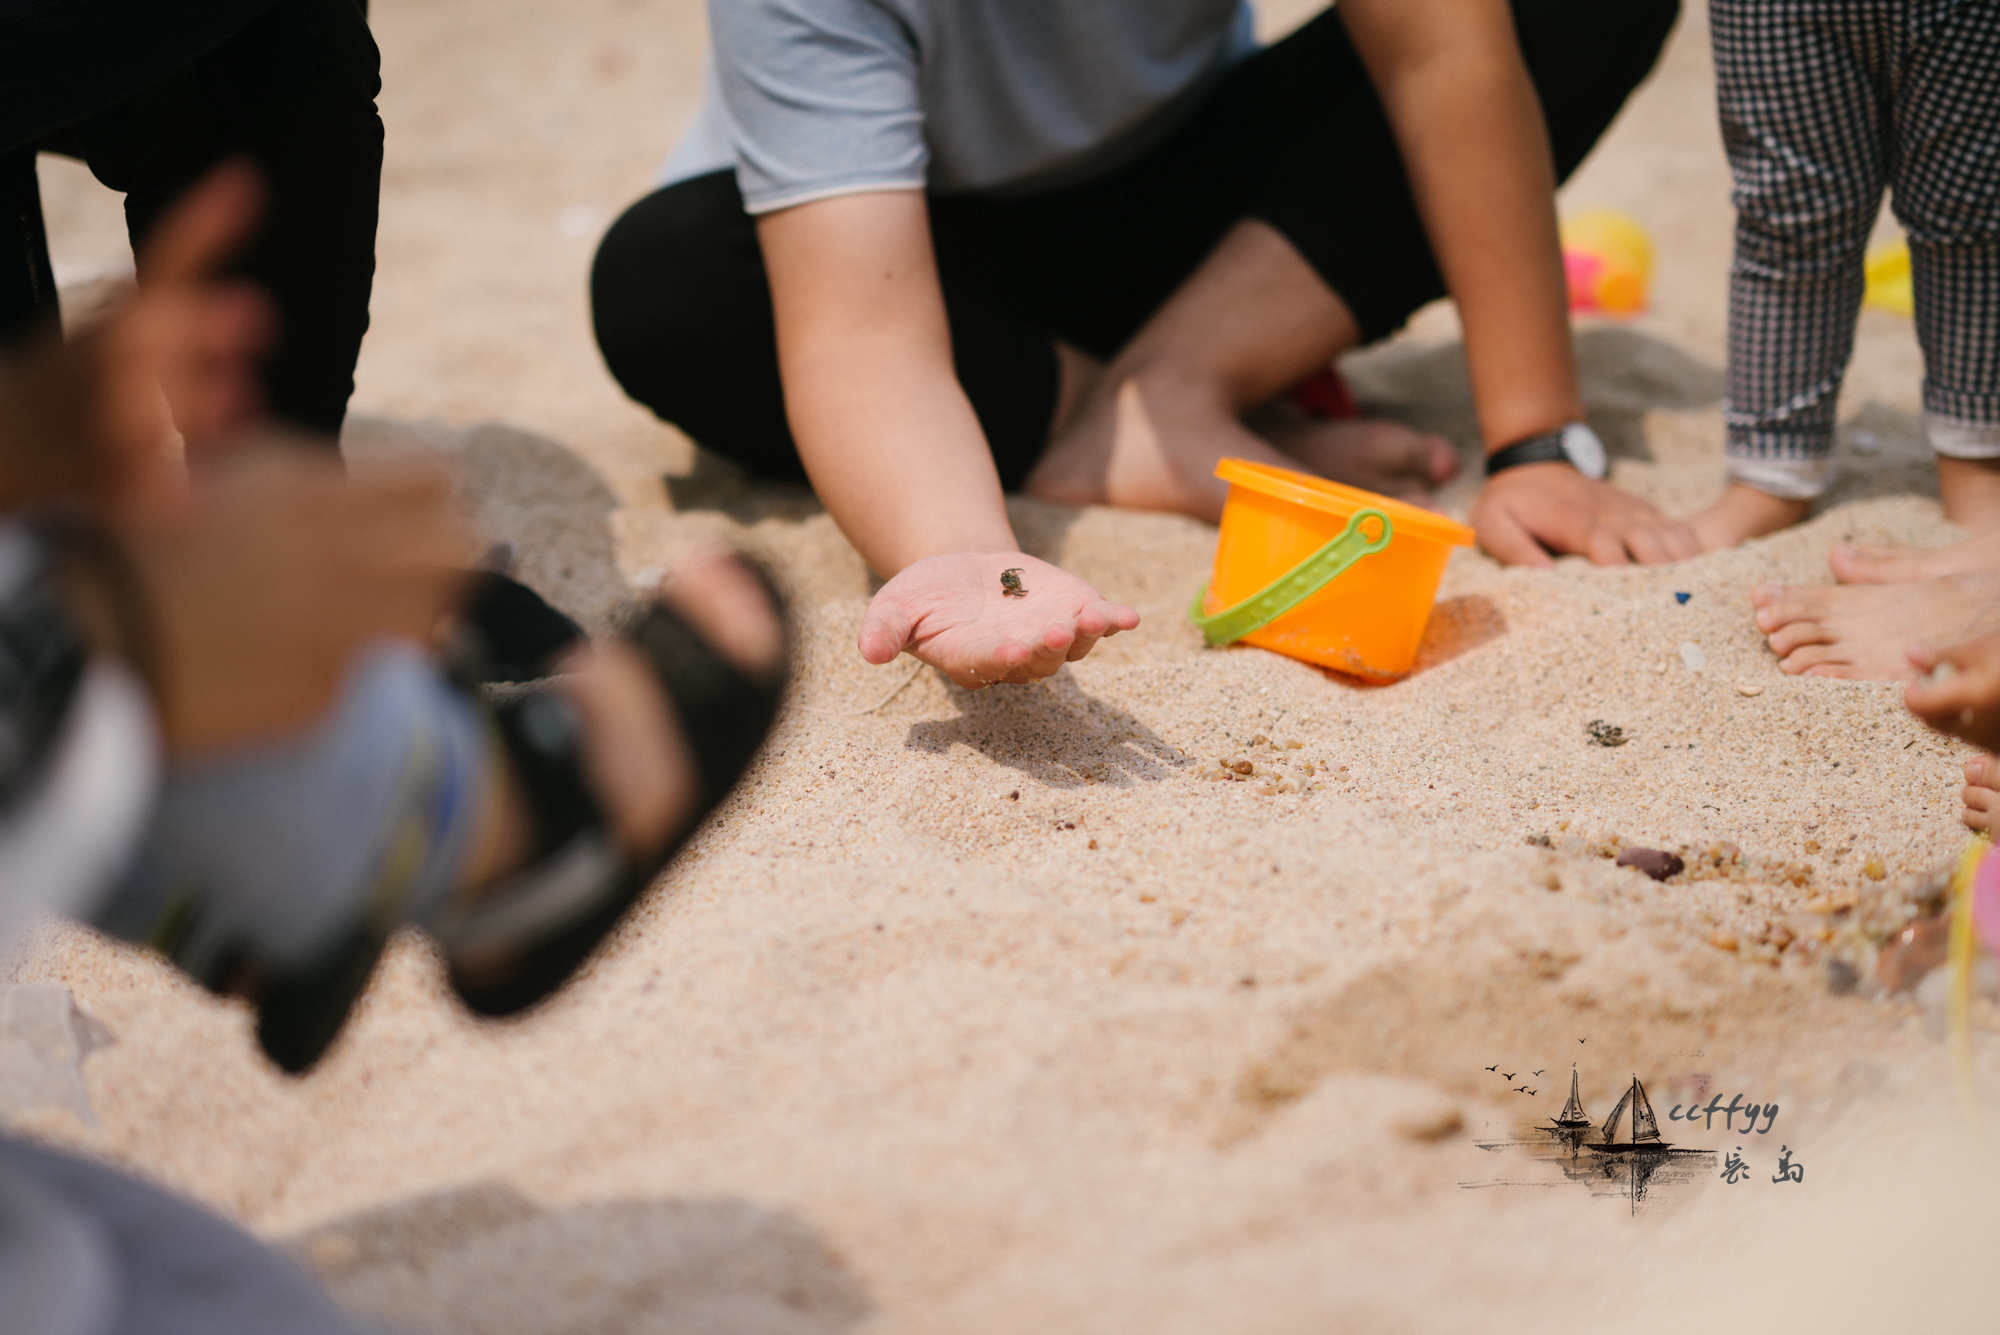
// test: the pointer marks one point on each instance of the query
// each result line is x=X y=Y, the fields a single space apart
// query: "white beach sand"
x=988 y=1012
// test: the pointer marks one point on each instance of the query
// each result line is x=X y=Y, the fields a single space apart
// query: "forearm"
x=1470 y=127
x=894 y=450
x=887 y=435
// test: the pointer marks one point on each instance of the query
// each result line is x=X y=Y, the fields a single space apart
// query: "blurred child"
x=225 y=733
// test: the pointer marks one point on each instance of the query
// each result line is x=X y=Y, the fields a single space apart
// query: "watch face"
x=1585 y=450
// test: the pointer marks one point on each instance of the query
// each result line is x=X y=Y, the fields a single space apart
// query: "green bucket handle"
x=1293 y=587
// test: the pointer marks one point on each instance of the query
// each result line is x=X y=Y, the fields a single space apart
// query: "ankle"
x=1970 y=490
x=1743 y=512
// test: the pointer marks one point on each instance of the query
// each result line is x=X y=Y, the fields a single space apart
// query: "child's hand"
x=956 y=613
x=87 y=419
x=262 y=586
x=1959 y=691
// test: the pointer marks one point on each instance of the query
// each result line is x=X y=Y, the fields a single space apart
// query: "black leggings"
x=1294 y=136
x=293 y=90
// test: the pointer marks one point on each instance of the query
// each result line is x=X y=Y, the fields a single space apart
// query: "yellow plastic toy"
x=1889 y=280
x=1322 y=572
x=1608 y=260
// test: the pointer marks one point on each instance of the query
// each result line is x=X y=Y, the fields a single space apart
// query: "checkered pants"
x=1825 y=103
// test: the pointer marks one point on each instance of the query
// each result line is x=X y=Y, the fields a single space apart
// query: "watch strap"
x=1546 y=448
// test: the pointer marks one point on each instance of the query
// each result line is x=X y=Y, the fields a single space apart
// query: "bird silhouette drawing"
x=1507 y=1075
x=1494 y=1067
x=1520 y=1089
x=1537 y=1072
x=1533 y=1092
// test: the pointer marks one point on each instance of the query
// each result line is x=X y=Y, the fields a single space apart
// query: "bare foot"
x=1742 y=513
x=1905 y=565
x=1981 y=794
x=1379 y=456
x=1864 y=632
x=1971 y=491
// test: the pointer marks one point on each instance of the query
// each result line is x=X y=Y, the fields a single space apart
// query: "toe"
x=1797 y=635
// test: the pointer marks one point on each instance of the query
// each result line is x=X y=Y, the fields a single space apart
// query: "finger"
x=205 y=226
x=1975 y=770
x=1115 y=616
x=1081 y=647
x=886 y=631
x=1980 y=798
x=1647 y=545
x=1605 y=548
x=1508 y=541
x=1682 y=544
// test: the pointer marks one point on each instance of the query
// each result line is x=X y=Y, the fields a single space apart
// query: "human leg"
x=1801 y=90
x=294 y=92
x=682 y=312
x=1320 y=246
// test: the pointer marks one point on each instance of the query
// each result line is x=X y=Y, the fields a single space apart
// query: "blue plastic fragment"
x=1682 y=598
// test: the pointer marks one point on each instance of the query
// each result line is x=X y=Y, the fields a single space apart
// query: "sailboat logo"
x=1574 y=1118
x=1645 y=1127
x=1626 y=1158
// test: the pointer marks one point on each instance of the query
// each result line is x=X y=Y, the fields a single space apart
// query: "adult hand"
x=264 y=583
x=1964 y=701
x=1525 y=513
x=955 y=613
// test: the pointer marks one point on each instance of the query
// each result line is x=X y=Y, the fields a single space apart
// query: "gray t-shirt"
x=808 y=99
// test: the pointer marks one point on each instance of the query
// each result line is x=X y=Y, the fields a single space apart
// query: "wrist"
x=1574 y=445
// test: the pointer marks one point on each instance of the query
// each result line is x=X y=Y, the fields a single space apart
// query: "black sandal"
x=525 y=937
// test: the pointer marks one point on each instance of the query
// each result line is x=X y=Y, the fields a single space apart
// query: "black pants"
x=292 y=88
x=1295 y=137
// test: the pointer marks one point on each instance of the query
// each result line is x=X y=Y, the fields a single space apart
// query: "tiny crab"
x=1010 y=583
x=1605 y=734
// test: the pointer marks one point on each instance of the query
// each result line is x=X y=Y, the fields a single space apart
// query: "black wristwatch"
x=1576 y=445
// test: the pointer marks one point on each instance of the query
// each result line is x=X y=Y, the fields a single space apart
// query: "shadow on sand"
x=1624 y=374
x=1052 y=732
x=484 y=1260
x=533 y=494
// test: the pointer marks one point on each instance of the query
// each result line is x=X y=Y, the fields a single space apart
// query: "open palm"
x=955 y=613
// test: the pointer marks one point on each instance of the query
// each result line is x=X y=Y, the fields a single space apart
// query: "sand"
x=990 y=1012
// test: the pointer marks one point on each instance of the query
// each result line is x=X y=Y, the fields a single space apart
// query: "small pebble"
x=1915 y=951
x=1874 y=870
x=1692 y=656
x=1605 y=734
x=1682 y=598
x=1655 y=862
x=1842 y=978
x=1745 y=688
x=1722 y=940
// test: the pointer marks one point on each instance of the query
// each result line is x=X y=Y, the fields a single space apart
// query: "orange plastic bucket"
x=1323 y=572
